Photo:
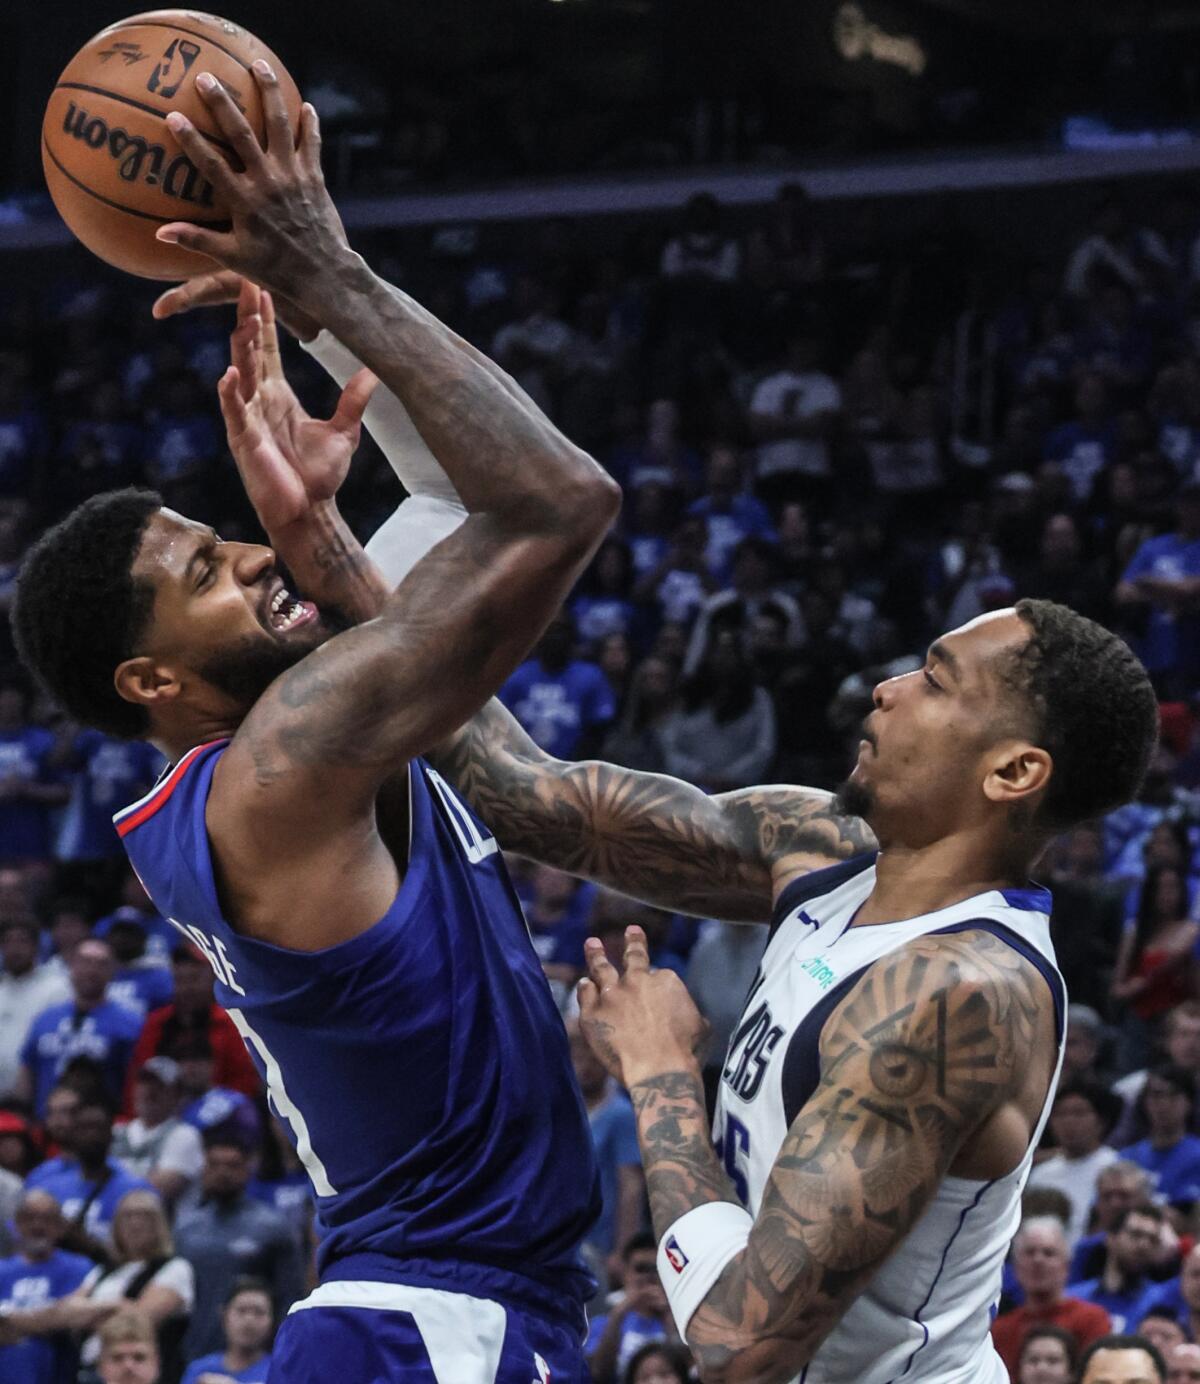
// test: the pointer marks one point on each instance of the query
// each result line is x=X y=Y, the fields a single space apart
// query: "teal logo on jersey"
x=820 y=970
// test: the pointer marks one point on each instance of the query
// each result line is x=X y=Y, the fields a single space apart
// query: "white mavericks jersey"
x=926 y=1315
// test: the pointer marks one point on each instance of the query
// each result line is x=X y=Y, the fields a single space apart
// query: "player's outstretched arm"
x=650 y=836
x=933 y=1041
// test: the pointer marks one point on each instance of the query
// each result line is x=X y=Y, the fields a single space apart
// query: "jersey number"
x=476 y=846
x=282 y=1104
x=733 y=1149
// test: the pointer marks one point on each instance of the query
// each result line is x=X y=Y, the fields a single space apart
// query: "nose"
x=884 y=695
x=252 y=562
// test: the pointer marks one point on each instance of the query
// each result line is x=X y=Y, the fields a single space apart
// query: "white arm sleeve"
x=434 y=509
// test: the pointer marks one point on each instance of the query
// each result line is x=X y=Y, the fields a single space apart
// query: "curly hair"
x=1094 y=710
x=78 y=611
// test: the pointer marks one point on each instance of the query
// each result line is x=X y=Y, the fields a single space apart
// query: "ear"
x=146 y=683
x=1018 y=770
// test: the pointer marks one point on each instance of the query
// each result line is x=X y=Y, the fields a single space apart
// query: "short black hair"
x=247 y=1283
x=1149 y=1209
x=1173 y=1074
x=640 y=1239
x=1125 y=1343
x=1094 y=710
x=78 y=611
x=1106 y=1103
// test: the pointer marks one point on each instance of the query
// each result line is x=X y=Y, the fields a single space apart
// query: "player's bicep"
x=793 y=830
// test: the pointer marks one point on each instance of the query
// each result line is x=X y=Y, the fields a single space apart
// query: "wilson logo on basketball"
x=139 y=160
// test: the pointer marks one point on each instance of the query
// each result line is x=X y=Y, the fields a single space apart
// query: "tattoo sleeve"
x=927 y=1046
x=646 y=835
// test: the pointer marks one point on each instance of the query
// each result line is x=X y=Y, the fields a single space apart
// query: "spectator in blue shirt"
x=1122 y=1286
x=90 y=1188
x=729 y=512
x=139 y=982
x=1084 y=446
x=604 y=604
x=1170 y=1154
x=107 y=775
x=39 y=1273
x=89 y=1025
x=565 y=703
x=247 y=1320
x=614 y=1135
x=1162 y=583
x=30 y=786
x=639 y=1317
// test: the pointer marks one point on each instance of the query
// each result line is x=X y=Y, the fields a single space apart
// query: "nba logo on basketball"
x=675 y=1256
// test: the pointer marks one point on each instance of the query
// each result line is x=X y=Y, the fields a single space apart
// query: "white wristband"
x=695 y=1250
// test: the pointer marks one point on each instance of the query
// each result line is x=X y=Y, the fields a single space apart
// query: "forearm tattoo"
x=646 y=835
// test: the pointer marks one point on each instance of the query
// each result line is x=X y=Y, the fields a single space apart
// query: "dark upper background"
x=477 y=89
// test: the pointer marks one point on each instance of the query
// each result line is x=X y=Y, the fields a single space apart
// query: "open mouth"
x=287 y=612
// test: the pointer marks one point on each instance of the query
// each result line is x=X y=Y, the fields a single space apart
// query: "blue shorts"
x=360 y=1332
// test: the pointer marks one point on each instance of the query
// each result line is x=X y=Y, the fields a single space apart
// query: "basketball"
x=114 y=169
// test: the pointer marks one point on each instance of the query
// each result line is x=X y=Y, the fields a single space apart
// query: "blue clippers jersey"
x=421 y=1068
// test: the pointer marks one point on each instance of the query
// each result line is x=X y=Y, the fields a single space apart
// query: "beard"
x=247 y=668
x=853 y=799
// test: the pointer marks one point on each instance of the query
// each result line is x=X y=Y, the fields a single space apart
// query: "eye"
x=931 y=680
x=207 y=576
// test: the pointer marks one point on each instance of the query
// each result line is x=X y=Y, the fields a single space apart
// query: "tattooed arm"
x=647 y=835
x=934 y=1043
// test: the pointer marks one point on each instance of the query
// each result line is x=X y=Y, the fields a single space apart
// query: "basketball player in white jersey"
x=891 y=1076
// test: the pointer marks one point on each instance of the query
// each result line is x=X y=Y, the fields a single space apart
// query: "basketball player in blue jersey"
x=885 y=1089
x=366 y=940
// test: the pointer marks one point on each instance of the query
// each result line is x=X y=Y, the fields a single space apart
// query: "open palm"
x=289 y=461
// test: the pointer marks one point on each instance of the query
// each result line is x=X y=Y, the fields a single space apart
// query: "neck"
x=86 y=1005
x=93 y=1167
x=242 y=1357
x=1042 y=1301
x=910 y=881
x=597 y=1097
x=1114 y=1278
x=1165 y=1139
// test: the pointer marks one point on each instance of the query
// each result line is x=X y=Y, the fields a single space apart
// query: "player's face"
x=937 y=733
x=222 y=612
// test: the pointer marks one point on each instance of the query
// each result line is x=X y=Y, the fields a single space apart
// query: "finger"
x=310 y=138
x=600 y=969
x=205 y=291
x=217 y=245
x=281 y=142
x=233 y=409
x=243 y=348
x=272 y=364
x=637 y=950
x=230 y=121
x=249 y=300
x=210 y=164
x=354 y=400
x=587 y=995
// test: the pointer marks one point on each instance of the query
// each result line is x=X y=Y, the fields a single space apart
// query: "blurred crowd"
x=815 y=487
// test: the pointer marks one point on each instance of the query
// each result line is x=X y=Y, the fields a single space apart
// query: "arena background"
x=883 y=312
